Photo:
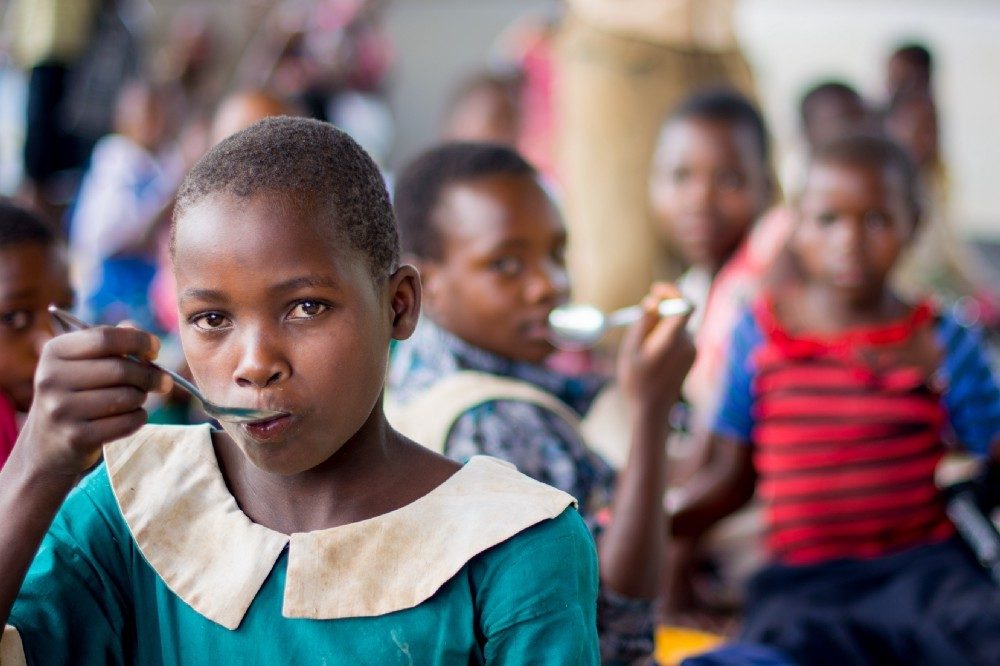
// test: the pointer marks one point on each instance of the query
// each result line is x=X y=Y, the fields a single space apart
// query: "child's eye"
x=17 y=320
x=308 y=310
x=209 y=321
x=826 y=218
x=559 y=255
x=508 y=266
x=681 y=174
x=731 y=180
x=876 y=219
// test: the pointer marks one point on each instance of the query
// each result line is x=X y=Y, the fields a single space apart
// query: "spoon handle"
x=667 y=308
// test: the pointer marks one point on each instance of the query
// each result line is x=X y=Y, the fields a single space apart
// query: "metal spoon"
x=231 y=414
x=577 y=327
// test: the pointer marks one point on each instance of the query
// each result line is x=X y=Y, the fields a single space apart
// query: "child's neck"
x=374 y=473
x=825 y=310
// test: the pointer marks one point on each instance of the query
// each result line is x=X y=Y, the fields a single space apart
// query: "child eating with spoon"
x=489 y=243
x=319 y=536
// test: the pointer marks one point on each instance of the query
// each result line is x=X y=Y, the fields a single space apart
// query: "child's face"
x=502 y=269
x=278 y=313
x=853 y=223
x=31 y=277
x=708 y=185
x=904 y=74
x=833 y=116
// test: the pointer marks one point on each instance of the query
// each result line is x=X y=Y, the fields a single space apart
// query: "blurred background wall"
x=791 y=44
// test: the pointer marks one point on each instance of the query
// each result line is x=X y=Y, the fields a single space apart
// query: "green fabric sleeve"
x=537 y=595
x=74 y=601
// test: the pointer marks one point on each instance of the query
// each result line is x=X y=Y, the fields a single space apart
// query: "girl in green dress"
x=319 y=536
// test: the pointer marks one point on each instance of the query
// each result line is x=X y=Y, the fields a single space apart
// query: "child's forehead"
x=687 y=132
x=44 y=263
x=871 y=175
x=496 y=206
x=230 y=214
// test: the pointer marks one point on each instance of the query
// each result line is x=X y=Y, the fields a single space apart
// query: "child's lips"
x=268 y=429
x=537 y=330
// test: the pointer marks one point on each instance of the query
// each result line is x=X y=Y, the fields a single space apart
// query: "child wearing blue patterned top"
x=489 y=242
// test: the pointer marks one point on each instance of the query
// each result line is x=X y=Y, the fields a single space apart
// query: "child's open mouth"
x=269 y=428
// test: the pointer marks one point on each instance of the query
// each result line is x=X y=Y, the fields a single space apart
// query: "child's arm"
x=719 y=489
x=653 y=361
x=972 y=395
x=86 y=394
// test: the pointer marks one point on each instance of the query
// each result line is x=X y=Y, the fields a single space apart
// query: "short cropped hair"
x=827 y=90
x=306 y=158
x=19 y=226
x=726 y=106
x=875 y=151
x=420 y=185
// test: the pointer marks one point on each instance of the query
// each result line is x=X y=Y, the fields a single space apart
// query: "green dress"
x=128 y=560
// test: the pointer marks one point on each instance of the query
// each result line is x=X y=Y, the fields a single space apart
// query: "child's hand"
x=656 y=354
x=87 y=394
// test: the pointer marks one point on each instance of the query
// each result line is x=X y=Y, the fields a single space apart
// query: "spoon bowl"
x=217 y=412
x=576 y=327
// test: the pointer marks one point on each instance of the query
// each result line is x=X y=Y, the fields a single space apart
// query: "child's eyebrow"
x=305 y=281
x=17 y=295
x=201 y=294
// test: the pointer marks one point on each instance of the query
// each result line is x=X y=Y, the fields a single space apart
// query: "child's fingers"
x=104 y=341
x=155 y=351
x=114 y=427
x=106 y=402
x=670 y=332
x=635 y=335
x=100 y=373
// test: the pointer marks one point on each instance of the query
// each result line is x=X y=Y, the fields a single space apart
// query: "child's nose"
x=549 y=283
x=261 y=362
x=700 y=192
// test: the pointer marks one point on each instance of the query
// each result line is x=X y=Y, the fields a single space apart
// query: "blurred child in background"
x=34 y=272
x=489 y=243
x=840 y=397
x=123 y=201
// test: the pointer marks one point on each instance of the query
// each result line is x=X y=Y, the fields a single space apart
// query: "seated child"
x=33 y=274
x=710 y=185
x=125 y=195
x=489 y=243
x=317 y=536
x=840 y=397
x=937 y=261
x=711 y=181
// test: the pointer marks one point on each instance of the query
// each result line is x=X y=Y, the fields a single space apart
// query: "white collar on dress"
x=189 y=528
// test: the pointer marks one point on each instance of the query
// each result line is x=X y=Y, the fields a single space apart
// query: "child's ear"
x=404 y=298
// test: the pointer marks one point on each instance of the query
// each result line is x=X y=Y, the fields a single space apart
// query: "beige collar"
x=191 y=531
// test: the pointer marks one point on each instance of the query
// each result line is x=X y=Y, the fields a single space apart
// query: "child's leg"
x=963 y=607
x=810 y=613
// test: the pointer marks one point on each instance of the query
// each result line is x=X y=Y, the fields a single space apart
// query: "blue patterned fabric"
x=536 y=440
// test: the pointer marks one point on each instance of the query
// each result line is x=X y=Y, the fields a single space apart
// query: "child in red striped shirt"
x=840 y=399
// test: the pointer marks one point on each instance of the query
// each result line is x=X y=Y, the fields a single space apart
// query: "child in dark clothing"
x=33 y=273
x=840 y=398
